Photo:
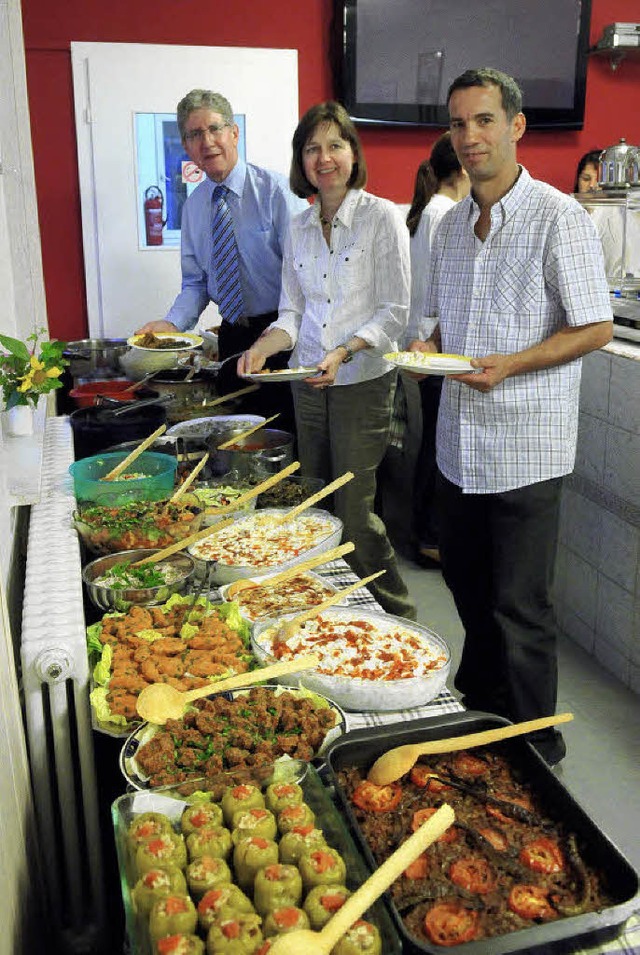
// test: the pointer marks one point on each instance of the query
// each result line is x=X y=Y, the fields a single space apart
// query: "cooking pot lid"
x=94 y=344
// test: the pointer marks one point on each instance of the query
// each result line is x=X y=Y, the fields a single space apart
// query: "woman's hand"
x=271 y=341
x=329 y=368
x=159 y=326
x=251 y=361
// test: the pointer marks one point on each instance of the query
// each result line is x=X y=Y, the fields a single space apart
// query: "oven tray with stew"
x=360 y=749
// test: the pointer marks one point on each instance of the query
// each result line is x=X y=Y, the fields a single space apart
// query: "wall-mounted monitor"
x=399 y=56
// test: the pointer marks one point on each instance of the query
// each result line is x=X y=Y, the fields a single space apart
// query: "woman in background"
x=588 y=172
x=440 y=183
x=343 y=306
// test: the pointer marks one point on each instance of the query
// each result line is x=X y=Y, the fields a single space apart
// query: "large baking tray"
x=361 y=748
x=171 y=802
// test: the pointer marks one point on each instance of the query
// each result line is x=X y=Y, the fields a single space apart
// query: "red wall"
x=392 y=154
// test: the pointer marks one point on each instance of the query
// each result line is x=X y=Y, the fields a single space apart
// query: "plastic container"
x=86 y=394
x=138 y=524
x=159 y=477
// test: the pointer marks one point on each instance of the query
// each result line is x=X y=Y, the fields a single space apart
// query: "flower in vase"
x=25 y=375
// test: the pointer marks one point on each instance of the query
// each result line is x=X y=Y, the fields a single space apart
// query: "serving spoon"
x=124 y=464
x=160 y=702
x=290 y=627
x=245 y=434
x=318 y=496
x=396 y=762
x=249 y=582
x=320 y=943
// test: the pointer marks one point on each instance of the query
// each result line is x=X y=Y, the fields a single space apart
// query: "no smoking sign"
x=191 y=172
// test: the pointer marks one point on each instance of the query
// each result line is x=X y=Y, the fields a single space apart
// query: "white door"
x=124 y=90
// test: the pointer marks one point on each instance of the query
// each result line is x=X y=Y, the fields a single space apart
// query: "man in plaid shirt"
x=518 y=283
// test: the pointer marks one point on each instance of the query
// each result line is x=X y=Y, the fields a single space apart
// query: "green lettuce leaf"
x=230 y=613
x=94 y=645
x=102 y=669
x=98 y=698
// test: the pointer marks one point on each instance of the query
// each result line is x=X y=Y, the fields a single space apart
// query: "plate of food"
x=189 y=646
x=294 y=595
x=368 y=660
x=235 y=730
x=281 y=374
x=431 y=364
x=165 y=341
x=260 y=543
x=179 y=905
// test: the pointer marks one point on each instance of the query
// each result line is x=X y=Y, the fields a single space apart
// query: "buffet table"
x=53 y=607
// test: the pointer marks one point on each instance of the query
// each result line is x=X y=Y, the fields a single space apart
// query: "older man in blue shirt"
x=257 y=204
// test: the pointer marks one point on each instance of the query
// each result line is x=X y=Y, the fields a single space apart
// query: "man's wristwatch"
x=349 y=352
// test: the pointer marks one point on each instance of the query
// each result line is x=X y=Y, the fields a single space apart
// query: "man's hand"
x=495 y=368
x=160 y=326
x=251 y=361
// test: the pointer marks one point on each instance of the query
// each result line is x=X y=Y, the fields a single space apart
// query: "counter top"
x=623 y=348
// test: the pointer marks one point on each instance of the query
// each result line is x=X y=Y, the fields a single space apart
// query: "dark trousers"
x=498 y=553
x=271 y=398
x=425 y=501
x=346 y=428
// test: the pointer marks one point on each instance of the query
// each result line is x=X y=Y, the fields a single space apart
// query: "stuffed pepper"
x=253 y=822
x=251 y=854
x=171 y=915
x=300 y=840
x=238 y=798
x=239 y=935
x=154 y=885
x=280 y=795
x=284 y=920
x=203 y=815
x=322 y=902
x=362 y=938
x=209 y=841
x=206 y=872
x=225 y=901
x=276 y=886
x=322 y=867
x=179 y=944
x=160 y=852
x=297 y=815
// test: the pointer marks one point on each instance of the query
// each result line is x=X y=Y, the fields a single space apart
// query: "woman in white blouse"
x=344 y=305
x=440 y=183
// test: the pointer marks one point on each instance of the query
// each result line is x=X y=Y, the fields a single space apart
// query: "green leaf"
x=15 y=347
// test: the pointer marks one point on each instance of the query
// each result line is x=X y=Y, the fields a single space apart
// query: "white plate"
x=284 y=374
x=429 y=363
x=188 y=341
x=146 y=731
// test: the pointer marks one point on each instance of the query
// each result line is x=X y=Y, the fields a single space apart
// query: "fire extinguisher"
x=153 y=209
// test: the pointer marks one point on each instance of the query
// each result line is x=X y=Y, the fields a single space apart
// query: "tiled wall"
x=598 y=567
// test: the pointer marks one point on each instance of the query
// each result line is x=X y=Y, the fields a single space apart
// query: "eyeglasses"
x=197 y=135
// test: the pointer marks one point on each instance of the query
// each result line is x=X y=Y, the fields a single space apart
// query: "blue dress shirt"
x=261 y=205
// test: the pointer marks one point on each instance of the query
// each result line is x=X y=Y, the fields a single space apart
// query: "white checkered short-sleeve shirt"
x=539 y=269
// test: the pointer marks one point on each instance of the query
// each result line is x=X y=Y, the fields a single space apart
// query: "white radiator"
x=55 y=679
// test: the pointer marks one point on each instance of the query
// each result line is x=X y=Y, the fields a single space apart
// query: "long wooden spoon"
x=323 y=492
x=290 y=627
x=245 y=434
x=160 y=702
x=321 y=943
x=119 y=468
x=232 y=394
x=185 y=542
x=189 y=481
x=255 y=491
x=239 y=585
x=396 y=762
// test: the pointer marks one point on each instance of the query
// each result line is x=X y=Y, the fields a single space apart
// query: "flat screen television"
x=398 y=57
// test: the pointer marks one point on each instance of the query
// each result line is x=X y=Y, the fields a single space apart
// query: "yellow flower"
x=37 y=374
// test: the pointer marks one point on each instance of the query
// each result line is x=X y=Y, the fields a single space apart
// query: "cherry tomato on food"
x=421 y=816
x=497 y=813
x=530 y=902
x=451 y=923
x=419 y=868
x=466 y=764
x=497 y=839
x=374 y=798
x=542 y=855
x=425 y=778
x=474 y=874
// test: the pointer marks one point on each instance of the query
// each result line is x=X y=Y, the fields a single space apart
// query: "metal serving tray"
x=361 y=748
x=171 y=802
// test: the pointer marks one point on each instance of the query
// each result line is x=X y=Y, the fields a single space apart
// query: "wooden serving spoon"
x=396 y=762
x=189 y=481
x=160 y=702
x=248 y=583
x=290 y=627
x=255 y=491
x=245 y=434
x=324 y=492
x=120 y=468
x=320 y=943
x=185 y=542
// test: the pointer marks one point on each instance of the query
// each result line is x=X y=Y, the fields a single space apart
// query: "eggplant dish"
x=503 y=866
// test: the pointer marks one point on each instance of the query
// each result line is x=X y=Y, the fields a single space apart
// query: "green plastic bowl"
x=159 y=472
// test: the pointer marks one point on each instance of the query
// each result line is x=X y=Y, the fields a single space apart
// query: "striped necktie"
x=225 y=259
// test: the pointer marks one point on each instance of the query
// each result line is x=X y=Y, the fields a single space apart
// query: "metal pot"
x=189 y=396
x=95 y=357
x=256 y=457
x=619 y=166
x=96 y=429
